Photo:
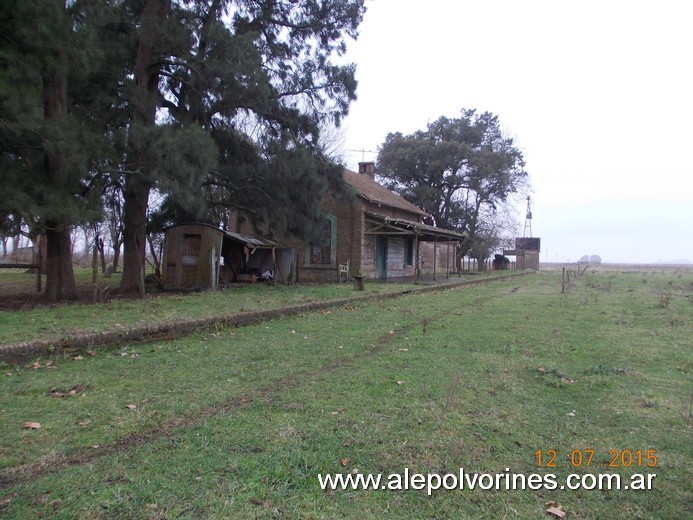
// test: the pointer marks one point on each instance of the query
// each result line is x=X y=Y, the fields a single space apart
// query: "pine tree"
x=246 y=84
x=216 y=98
x=43 y=159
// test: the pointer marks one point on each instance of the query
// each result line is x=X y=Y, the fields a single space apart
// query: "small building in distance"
x=526 y=253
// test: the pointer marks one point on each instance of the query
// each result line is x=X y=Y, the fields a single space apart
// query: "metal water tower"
x=528 y=219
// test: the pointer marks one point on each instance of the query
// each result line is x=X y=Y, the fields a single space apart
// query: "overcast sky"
x=597 y=94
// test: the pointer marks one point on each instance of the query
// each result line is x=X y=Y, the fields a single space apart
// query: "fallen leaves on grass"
x=131 y=406
x=6 y=500
x=36 y=365
x=78 y=357
x=555 y=509
x=31 y=425
x=571 y=414
x=345 y=461
x=75 y=390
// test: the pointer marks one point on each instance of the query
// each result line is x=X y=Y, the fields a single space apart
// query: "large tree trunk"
x=134 y=234
x=137 y=187
x=60 y=278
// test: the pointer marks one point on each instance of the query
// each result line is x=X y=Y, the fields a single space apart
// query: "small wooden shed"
x=192 y=256
x=202 y=256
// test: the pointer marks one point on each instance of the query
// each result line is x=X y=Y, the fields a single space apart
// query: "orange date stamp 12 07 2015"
x=584 y=458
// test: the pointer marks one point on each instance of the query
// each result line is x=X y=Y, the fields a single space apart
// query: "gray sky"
x=597 y=94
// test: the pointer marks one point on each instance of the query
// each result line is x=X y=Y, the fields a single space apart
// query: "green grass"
x=58 y=321
x=238 y=423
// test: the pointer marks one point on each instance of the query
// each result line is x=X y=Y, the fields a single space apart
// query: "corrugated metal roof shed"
x=253 y=241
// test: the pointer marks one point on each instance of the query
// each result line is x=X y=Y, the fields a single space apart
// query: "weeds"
x=602 y=370
x=664 y=299
x=452 y=393
x=686 y=412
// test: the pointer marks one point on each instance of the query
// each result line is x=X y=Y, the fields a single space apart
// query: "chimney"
x=367 y=168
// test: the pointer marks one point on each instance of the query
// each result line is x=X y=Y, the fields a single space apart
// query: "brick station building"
x=377 y=234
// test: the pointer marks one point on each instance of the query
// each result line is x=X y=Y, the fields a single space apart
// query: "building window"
x=409 y=251
x=322 y=250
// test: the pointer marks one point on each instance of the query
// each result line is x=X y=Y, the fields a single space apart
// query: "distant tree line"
x=122 y=114
x=590 y=259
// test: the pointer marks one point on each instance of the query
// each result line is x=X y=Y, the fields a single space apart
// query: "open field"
x=239 y=423
x=636 y=268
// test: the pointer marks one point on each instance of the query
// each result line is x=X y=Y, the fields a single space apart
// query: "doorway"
x=381 y=257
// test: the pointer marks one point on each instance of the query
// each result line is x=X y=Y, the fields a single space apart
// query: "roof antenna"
x=363 y=153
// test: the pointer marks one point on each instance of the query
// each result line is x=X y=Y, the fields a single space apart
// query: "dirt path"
x=84 y=456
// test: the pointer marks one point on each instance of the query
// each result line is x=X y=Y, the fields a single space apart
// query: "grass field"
x=239 y=423
x=32 y=322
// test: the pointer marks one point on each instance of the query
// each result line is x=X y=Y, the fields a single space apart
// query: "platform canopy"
x=391 y=226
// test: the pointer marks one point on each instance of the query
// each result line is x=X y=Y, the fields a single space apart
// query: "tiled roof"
x=372 y=191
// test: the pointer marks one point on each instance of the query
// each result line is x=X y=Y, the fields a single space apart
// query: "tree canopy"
x=247 y=85
x=459 y=170
x=47 y=144
x=211 y=104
